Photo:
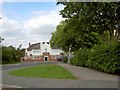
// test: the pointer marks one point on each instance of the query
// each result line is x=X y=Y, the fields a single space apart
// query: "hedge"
x=105 y=57
x=65 y=60
x=10 y=55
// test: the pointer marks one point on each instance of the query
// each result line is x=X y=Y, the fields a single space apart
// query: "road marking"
x=12 y=86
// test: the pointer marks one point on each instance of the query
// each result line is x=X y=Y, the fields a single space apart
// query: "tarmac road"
x=24 y=64
x=84 y=81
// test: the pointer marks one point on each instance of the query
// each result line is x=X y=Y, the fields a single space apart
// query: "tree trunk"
x=69 y=54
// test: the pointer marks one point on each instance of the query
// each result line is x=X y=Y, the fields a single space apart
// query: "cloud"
x=11 y=31
x=43 y=23
x=37 y=28
x=10 y=27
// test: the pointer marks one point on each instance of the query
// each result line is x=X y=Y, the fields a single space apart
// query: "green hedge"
x=80 y=58
x=65 y=60
x=105 y=57
x=10 y=55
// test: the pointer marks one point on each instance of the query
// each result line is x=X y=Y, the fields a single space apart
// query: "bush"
x=74 y=60
x=80 y=58
x=65 y=59
x=105 y=57
x=10 y=55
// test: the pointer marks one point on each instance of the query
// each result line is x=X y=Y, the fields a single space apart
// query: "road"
x=24 y=64
x=10 y=81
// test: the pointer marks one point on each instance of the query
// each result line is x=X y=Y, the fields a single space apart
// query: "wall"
x=45 y=48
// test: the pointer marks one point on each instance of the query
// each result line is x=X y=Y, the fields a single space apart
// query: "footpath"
x=84 y=73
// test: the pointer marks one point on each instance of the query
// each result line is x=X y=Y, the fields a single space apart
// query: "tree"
x=86 y=24
x=75 y=32
x=11 y=55
x=94 y=16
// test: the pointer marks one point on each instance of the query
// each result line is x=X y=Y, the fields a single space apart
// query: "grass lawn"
x=44 y=71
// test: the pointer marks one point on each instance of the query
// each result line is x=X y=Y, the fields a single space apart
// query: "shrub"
x=74 y=60
x=10 y=55
x=105 y=57
x=65 y=59
x=80 y=58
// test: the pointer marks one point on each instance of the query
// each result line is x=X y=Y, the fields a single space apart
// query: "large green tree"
x=94 y=16
x=86 y=24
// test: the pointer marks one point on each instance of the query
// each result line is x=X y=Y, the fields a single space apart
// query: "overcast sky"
x=24 y=22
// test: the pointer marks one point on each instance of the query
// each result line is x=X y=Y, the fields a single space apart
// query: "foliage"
x=89 y=30
x=86 y=24
x=44 y=71
x=11 y=55
x=93 y=16
x=105 y=57
x=65 y=60
x=80 y=57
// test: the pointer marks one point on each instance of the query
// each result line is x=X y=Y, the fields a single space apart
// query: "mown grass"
x=44 y=71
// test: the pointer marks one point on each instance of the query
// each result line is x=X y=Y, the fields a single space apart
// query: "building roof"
x=34 y=46
x=37 y=46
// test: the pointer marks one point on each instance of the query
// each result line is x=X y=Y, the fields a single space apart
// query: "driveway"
x=87 y=78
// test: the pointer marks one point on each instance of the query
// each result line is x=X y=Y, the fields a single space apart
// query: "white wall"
x=45 y=47
x=35 y=52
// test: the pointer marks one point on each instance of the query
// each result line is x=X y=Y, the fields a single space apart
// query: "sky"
x=28 y=22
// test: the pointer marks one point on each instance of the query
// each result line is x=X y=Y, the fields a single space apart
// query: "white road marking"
x=9 y=86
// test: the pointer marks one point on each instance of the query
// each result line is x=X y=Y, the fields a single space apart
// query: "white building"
x=42 y=52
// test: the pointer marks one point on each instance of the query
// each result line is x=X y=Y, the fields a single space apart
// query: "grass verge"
x=44 y=71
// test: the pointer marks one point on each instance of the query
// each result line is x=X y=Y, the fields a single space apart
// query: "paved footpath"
x=88 y=74
x=87 y=78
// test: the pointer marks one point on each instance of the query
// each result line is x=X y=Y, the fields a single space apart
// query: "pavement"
x=84 y=73
x=86 y=78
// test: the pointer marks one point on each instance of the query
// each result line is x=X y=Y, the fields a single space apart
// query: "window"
x=45 y=49
x=26 y=54
x=36 y=51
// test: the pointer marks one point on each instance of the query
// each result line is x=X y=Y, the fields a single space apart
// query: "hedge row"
x=10 y=55
x=105 y=57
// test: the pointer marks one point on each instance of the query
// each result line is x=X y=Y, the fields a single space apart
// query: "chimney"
x=29 y=44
